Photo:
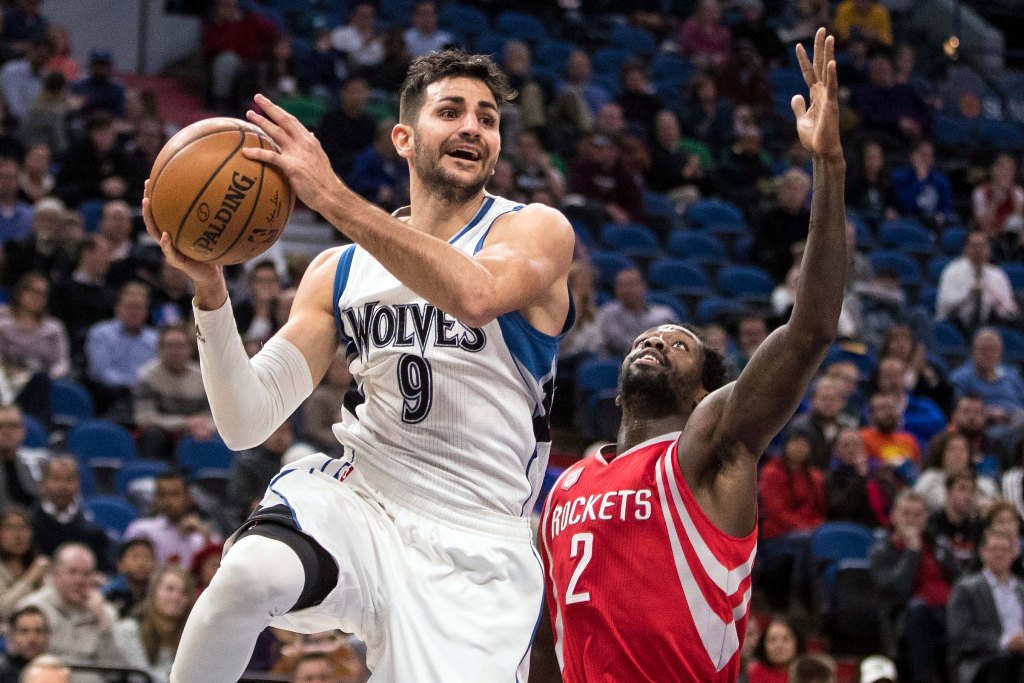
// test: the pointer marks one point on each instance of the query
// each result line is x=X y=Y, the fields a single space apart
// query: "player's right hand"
x=211 y=288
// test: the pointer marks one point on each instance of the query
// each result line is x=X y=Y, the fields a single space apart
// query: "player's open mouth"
x=651 y=357
x=464 y=154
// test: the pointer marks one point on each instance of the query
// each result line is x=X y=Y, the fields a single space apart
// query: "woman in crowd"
x=780 y=644
x=923 y=377
x=21 y=570
x=31 y=339
x=150 y=640
x=998 y=207
x=948 y=453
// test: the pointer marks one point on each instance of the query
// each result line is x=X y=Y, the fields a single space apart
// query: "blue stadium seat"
x=679 y=277
x=583 y=234
x=194 y=455
x=463 y=19
x=1014 y=271
x=609 y=81
x=70 y=403
x=904 y=265
x=936 y=265
x=608 y=60
x=631 y=239
x=863 y=359
x=140 y=469
x=657 y=204
x=607 y=265
x=864 y=240
x=906 y=234
x=113 y=513
x=602 y=417
x=667 y=64
x=594 y=375
x=553 y=54
x=520 y=26
x=787 y=82
x=953 y=240
x=667 y=299
x=636 y=40
x=213 y=480
x=927 y=297
x=393 y=12
x=491 y=43
x=697 y=247
x=1013 y=344
x=669 y=91
x=745 y=281
x=707 y=212
x=1002 y=135
x=953 y=131
x=35 y=432
x=91 y=211
x=719 y=309
x=947 y=340
x=101 y=442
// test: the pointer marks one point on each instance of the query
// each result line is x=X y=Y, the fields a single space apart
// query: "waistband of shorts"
x=415 y=500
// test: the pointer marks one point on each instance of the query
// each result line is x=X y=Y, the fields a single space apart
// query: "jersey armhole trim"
x=340 y=282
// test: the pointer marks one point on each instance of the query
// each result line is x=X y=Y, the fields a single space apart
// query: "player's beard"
x=648 y=394
x=440 y=182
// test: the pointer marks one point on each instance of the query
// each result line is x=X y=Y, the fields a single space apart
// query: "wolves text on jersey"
x=408 y=325
x=601 y=507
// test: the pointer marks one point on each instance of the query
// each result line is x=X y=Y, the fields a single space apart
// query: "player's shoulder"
x=325 y=264
x=537 y=219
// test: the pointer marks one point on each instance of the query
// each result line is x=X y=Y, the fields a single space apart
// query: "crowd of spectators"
x=913 y=429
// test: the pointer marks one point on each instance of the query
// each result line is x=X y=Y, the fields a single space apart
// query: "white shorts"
x=436 y=597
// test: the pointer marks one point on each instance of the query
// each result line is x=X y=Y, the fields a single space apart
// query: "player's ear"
x=618 y=400
x=403 y=138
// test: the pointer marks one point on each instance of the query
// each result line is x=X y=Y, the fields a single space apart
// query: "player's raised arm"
x=753 y=410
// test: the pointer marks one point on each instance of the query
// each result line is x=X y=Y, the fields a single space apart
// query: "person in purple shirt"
x=888 y=107
x=176 y=530
x=922 y=192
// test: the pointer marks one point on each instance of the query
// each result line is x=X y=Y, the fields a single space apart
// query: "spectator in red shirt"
x=703 y=37
x=599 y=176
x=792 y=491
x=234 y=42
x=780 y=644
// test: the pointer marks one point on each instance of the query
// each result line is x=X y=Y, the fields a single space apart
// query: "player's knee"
x=263 y=574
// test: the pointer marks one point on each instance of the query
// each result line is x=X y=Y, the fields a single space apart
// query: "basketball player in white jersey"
x=416 y=539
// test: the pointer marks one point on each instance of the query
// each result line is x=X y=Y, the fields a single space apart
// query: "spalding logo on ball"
x=217 y=205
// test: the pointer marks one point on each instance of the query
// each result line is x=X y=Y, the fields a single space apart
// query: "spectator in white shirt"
x=359 y=39
x=424 y=37
x=974 y=292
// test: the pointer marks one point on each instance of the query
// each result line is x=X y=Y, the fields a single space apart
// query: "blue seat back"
x=113 y=513
x=697 y=246
x=595 y=375
x=705 y=212
x=744 y=280
x=140 y=469
x=194 y=455
x=904 y=265
x=35 y=432
x=101 y=439
x=70 y=403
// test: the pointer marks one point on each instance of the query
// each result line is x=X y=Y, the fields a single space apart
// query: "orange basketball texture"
x=217 y=205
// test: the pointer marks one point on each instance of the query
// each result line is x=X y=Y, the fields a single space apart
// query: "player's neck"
x=437 y=216
x=633 y=431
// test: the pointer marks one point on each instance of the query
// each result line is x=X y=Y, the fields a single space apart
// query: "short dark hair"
x=812 y=668
x=98 y=120
x=28 y=611
x=170 y=328
x=135 y=543
x=449 y=63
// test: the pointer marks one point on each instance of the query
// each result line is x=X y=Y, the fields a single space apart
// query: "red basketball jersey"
x=640 y=584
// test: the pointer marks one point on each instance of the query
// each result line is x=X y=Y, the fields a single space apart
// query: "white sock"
x=259 y=579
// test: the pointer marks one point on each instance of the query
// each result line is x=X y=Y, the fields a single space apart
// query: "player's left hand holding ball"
x=301 y=156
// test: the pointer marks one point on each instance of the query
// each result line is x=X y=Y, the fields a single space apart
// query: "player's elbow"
x=475 y=310
x=239 y=440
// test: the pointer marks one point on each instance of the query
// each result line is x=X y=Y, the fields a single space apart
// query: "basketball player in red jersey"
x=648 y=546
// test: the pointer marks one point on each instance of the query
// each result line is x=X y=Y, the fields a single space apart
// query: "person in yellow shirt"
x=867 y=16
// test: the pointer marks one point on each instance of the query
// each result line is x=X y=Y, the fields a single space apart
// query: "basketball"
x=217 y=205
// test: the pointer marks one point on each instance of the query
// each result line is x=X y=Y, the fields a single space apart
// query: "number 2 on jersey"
x=415 y=381
x=586 y=540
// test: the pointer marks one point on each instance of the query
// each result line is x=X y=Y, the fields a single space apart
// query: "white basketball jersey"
x=451 y=413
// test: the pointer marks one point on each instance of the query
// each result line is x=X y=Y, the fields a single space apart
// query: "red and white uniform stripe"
x=640 y=584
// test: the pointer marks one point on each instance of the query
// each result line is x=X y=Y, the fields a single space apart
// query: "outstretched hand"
x=299 y=155
x=818 y=125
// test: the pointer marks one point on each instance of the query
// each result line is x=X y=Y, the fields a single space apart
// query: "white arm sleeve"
x=249 y=398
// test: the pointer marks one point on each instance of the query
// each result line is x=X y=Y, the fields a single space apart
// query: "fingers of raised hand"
x=831 y=82
x=286 y=121
x=269 y=156
x=276 y=133
x=799 y=106
x=805 y=65
x=819 y=54
x=147 y=219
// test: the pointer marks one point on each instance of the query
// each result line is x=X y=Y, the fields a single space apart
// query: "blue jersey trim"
x=532 y=348
x=480 y=244
x=488 y=203
x=529 y=464
x=340 y=281
x=282 y=497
